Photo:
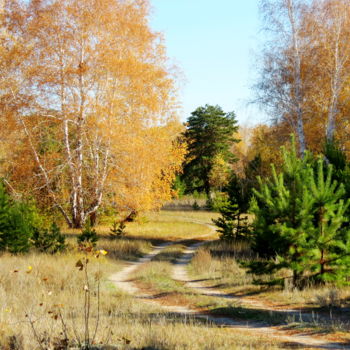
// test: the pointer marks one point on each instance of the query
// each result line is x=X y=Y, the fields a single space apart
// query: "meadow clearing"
x=58 y=301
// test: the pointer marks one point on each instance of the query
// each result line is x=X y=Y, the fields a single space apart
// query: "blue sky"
x=214 y=44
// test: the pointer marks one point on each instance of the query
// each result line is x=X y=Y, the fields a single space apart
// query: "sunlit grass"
x=54 y=282
x=38 y=284
x=218 y=265
x=165 y=225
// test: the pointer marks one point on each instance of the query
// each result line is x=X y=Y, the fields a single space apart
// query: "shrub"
x=17 y=223
x=50 y=241
x=88 y=236
x=195 y=206
x=218 y=201
x=118 y=229
x=232 y=225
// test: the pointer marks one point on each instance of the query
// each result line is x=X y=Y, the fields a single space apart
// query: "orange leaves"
x=146 y=167
x=102 y=102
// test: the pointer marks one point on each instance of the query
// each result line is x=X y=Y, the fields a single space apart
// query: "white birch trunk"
x=298 y=86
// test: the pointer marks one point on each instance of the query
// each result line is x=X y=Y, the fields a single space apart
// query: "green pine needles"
x=49 y=240
x=233 y=223
x=88 y=236
x=16 y=224
x=300 y=224
x=22 y=227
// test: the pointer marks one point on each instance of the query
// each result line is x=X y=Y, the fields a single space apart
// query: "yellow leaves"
x=150 y=158
x=100 y=252
x=29 y=270
x=220 y=172
x=129 y=112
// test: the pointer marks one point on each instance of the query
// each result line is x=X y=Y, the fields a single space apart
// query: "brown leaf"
x=79 y=265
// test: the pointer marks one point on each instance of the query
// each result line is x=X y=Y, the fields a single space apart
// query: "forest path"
x=123 y=281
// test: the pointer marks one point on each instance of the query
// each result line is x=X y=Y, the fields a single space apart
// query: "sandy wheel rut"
x=122 y=280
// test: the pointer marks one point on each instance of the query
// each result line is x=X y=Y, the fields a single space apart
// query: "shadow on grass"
x=221 y=320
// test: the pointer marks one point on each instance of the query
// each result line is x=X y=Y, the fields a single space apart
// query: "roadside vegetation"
x=98 y=175
x=54 y=316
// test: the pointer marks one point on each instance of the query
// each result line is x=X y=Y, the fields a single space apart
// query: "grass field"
x=218 y=264
x=165 y=225
x=49 y=301
x=43 y=297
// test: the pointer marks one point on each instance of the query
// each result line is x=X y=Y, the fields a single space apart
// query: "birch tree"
x=96 y=67
x=329 y=29
x=305 y=78
x=281 y=87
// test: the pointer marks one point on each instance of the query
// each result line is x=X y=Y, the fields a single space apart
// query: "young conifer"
x=299 y=223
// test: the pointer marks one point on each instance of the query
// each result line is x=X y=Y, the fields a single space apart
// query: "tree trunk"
x=297 y=78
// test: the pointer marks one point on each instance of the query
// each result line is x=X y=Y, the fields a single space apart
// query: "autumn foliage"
x=88 y=106
x=304 y=75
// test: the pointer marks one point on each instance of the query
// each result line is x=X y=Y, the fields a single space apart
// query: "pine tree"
x=299 y=223
x=16 y=224
x=4 y=217
x=88 y=236
x=209 y=135
x=328 y=256
x=49 y=241
x=233 y=223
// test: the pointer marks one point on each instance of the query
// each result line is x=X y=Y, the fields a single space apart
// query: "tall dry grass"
x=31 y=299
x=217 y=263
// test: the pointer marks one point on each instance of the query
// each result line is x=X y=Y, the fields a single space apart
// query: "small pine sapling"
x=300 y=224
x=195 y=206
x=49 y=241
x=118 y=229
x=88 y=236
x=232 y=225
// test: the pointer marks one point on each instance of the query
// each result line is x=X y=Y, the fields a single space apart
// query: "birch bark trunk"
x=298 y=99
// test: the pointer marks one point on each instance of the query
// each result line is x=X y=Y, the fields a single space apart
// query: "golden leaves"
x=100 y=75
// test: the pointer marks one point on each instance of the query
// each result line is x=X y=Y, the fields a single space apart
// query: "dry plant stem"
x=77 y=337
x=36 y=335
x=87 y=305
x=98 y=309
x=63 y=323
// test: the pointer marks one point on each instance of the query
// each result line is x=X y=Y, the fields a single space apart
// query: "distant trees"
x=305 y=70
x=87 y=92
x=281 y=87
x=210 y=135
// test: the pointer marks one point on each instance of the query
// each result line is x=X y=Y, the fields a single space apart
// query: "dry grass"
x=217 y=264
x=55 y=285
x=187 y=203
x=37 y=287
x=164 y=225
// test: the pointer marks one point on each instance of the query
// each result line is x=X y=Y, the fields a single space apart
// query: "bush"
x=17 y=223
x=233 y=225
x=118 y=229
x=218 y=201
x=195 y=206
x=88 y=236
x=50 y=241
